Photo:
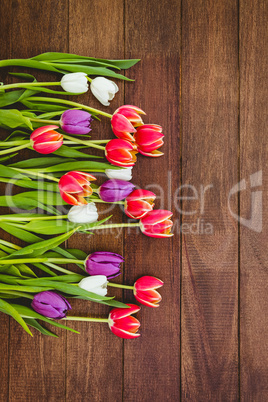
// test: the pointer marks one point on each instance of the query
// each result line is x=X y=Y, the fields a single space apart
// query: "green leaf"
x=11 y=118
x=35 y=324
x=79 y=165
x=40 y=162
x=7 y=308
x=27 y=63
x=79 y=254
x=73 y=153
x=25 y=76
x=26 y=312
x=19 y=233
x=6 y=171
x=8 y=98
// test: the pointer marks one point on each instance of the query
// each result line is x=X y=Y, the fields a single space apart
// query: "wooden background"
x=202 y=77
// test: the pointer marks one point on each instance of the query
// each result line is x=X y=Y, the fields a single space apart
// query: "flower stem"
x=119 y=285
x=15 y=293
x=31 y=173
x=28 y=84
x=67 y=102
x=40 y=260
x=10 y=150
x=89 y=79
x=116 y=225
x=71 y=318
x=10 y=218
x=57 y=122
x=78 y=141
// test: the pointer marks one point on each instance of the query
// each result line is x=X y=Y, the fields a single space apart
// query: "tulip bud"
x=124 y=121
x=76 y=122
x=74 y=186
x=157 y=223
x=115 y=190
x=83 y=213
x=96 y=284
x=75 y=82
x=103 y=89
x=148 y=139
x=121 y=174
x=145 y=293
x=122 y=324
x=46 y=140
x=104 y=263
x=139 y=203
x=50 y=304
x=121 y=153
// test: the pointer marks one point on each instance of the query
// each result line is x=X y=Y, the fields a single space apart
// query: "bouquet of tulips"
x=61 y=194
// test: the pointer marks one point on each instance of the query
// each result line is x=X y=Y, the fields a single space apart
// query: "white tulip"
x=121 y=174
x=95 y=284
x=75 y=82
x=103 y=89
x=83 y=213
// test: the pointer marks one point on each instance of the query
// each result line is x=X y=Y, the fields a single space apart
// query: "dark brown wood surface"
x=202 y=77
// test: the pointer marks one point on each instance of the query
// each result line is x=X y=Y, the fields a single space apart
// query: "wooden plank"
x=152 y=362
x=209 y=338
x=94 y=359
x=254 y=146
x=37 y=365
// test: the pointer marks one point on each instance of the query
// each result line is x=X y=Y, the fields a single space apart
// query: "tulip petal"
x=118 y=313
x=148 y=282
x=124 y=334
x=158 y=215
x=42 y=130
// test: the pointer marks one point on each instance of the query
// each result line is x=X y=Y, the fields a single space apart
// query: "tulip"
x=122 y=324
x=121 y=153
x=76 y=122
x=124 y=121
x=50 y=304
x=74 y=186
x=75 y=82
x=145 y=293
x=103 y=89
x=148 y=139
x=115 y=190
x=121 y=174
x=157 y=223
x=104 y=263
x=83 y=213
x=139 y=203
x=96 y=284
x=46 y=140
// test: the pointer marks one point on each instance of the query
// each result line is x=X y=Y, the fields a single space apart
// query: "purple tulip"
x=51 y=304
x=76 y=122
x=115 y=190
x=104 y=263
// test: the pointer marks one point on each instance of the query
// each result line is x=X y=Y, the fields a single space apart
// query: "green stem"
x=15 y=293
x=38 y=260
x=67 y=102
x=31 y=173
x=13 y=143
x=78 y=141
x=10 y=150
x=71 y=318
x=85 y=142
x=89 y=79
x=105 y=202
x=57 y=122
x=65 y=271
x=8 y=218
x=119 y=285
x=28 y=84
x=116 y=225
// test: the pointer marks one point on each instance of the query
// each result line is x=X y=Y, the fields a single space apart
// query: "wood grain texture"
x=254 y=146
x=151 y=363
x=94 y=359
x=37 y=365
x=209 y=321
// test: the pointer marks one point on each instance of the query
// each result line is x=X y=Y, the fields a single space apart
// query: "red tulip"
x=124 y=121
x=145 y=293
x=121 y=153
x=46 y=140
x=157 y=223
x=74 y=186
x=122 y=324
x=149 y=138
x=139 y=203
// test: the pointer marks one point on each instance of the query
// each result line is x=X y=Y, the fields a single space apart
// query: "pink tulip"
x=121 y=153
x=157 y=223
x=139 y=203
x=74 y=186
x=122 y=324
x=145 y=293
x=46 y=140
x=124 y=121
x=148 y=139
